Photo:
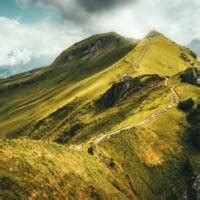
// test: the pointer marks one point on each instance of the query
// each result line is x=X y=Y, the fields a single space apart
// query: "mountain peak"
x=122 y=115
x=90 y=47
x=154 y=33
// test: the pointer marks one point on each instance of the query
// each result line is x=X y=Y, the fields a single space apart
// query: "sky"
x=34 y=32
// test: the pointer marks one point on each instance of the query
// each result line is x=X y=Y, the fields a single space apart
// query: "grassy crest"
x=59 y=142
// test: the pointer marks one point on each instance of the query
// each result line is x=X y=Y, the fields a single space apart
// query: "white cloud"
x=177 y=19
x=22 y=43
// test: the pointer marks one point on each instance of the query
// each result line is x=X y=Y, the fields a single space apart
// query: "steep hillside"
x=106 y=120
x=33 y=95
x=41 y=170
x=159 y=55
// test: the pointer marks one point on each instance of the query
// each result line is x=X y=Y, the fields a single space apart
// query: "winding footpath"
x=175 y=99
x=142 y=55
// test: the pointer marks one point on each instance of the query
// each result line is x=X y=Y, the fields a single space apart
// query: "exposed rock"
x=120 y=90
x=117 y=92
x=191 y=185
x=185 y=58
x=197 y=182
x=90 y=47
x=126 y=77
x=192 y=76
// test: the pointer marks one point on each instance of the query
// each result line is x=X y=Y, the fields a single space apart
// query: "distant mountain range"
x=111 y=118
x=195 y=46
x=7 y=71
x=4 y=73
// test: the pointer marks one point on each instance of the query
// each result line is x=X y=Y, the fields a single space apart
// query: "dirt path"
x=175 y=99
x=141 y=57
x=136 y=64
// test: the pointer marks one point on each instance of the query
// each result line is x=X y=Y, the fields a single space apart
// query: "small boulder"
x=124 y=88
x=191 y=76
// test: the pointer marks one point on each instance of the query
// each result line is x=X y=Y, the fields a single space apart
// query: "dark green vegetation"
x=103 y=122
x=125 y=88
x=186 y=105
x=189 y=77
x=193 y=133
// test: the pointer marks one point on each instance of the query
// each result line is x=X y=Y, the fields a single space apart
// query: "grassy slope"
x=32 y=96
x=151 y=156
x=154 y=155
x=148 y=160
x=162 y=56
x=36 y=100
x=41 y=170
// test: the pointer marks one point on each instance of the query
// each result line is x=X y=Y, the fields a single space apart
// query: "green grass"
x=51 y=171
x=32 y=97
x=36 y=95
x=145 y=162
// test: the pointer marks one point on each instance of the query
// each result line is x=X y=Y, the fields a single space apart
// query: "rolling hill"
x=110 y=118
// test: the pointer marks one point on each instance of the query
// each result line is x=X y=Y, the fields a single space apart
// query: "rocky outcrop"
x=91 y=47
x=186 y=58
x=122 y=89
x=117 y=92
x=191 y=76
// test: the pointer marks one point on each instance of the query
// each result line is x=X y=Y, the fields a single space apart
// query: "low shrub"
x=186 y=105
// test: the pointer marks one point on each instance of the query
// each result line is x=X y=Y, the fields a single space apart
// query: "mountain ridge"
x=103 y=126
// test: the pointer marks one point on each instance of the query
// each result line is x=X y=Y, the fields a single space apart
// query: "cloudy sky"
x=34 y=32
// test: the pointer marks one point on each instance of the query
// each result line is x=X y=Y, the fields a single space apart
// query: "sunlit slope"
x=144 y=162
x=105 y=131
x=33 y=95
x=74 y=75
x=156 y=54
x=90 y=119
x=41 y=170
